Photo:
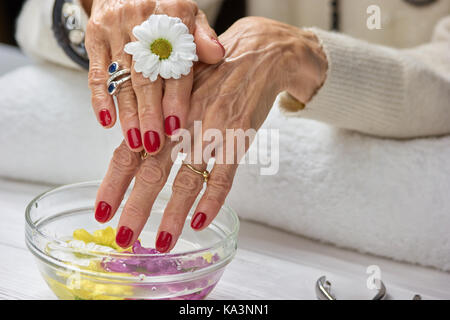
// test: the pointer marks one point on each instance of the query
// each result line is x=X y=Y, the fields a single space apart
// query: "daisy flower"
x=164 y=47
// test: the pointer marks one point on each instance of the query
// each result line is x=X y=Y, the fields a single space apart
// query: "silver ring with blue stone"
x=112 y=84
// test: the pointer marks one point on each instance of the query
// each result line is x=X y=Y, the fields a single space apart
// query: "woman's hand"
x=263 y=58
x=147 y=110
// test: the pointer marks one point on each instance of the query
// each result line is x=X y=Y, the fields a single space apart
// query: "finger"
x=102 y=102
x=209 y=48
x=218 y=187
x=126 y=98
x=150 y=179
x=149 y=96
x=186 y=187
x=122 y=168
x=176 y=102
x=149 y=102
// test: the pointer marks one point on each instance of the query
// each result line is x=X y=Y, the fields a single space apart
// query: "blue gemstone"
x=111 y=88
x=113 y=68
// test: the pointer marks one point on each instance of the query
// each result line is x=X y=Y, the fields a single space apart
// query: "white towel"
x=384 y=197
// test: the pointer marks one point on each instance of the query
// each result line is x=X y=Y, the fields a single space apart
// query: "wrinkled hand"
x=142 y=105
x=263 y=58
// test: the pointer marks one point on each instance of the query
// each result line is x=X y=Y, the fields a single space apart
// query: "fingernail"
x=103 y=212
x=198 y=221
x=171 y=124
x=220 y=45
x=134 y=138
x=151 y=141
x=163 y=242
x=105 y=117
x=124 y=236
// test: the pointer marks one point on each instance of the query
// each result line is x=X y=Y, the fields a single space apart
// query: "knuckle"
x=149 y=116
x=93 y=26
x=126 y=89
x=218 y=187
x=111 y=185
x=175 y=101
x=187 y=183
x=124 y=159
x=128 y=114
x=141 y=84
x=99 y=99
x=135 y=212
x=221 y=180
x=215 y=194
x=152 y=173
x=189 y=6
x=97 y=77
x=128 y=109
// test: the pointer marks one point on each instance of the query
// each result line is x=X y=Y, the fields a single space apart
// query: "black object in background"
x=230 y=11
x=9 y=11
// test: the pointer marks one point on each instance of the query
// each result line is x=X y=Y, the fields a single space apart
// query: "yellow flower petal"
x=208 y=257
x=83 y=235
x=104 y=237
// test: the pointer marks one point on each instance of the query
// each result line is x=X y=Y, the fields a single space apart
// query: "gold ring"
x=144 y=155
x=204 y=174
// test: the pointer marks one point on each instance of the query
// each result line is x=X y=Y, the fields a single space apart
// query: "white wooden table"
x=270 y=264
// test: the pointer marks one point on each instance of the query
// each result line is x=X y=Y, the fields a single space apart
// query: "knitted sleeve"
x=380 y=90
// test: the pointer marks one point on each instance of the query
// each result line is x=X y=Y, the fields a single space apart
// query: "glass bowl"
x=190 y=271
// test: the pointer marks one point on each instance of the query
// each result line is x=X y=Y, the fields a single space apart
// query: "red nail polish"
x=163 y=242
x=171 y=125
x=198 y=221
x=123 y=237
x=105 y=117
x=151 y=141
x=103 y=212
x=220 y=45
x=134 y=138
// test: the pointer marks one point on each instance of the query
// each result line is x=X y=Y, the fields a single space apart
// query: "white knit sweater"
x=369 y=88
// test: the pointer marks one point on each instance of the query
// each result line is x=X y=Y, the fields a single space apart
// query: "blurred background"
x=9 y=10
x=229 y=11
x=405 y=23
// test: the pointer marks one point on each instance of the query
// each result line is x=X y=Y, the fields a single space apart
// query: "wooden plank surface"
x=269 y=264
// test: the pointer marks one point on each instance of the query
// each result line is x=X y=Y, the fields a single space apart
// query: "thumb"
x=209 y=49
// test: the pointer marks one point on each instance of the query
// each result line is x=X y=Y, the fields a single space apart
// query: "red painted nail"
x=163 y=242
x=171 y=124
x=198 y=221
x=134 y=138
x=220 y=45
x=124 y=236
x=151 y=141
x=103 y=212
x=105 y=117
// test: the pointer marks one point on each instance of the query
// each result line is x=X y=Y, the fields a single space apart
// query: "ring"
x=144 y=155
x=205 y=174
x=123 y=76
x=164 y=48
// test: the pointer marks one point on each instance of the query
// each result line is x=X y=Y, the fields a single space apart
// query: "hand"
x=263 y=58
x=142 y=105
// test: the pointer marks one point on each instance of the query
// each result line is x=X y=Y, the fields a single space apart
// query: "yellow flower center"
x=162 y=48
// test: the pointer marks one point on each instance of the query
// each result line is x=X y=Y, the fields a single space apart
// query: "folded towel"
x=383 y=197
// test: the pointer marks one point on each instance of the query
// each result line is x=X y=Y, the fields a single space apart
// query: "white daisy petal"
x=132 y=47
x=142 y=33
x=165 y=71
x=164 y=48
